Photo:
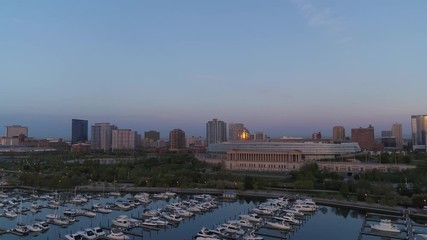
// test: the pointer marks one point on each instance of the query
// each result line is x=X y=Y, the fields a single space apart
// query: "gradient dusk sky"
x=285 y=67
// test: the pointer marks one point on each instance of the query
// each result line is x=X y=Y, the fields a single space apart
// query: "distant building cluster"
x=233 y=142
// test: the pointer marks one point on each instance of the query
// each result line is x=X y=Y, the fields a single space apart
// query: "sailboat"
x=21 y=228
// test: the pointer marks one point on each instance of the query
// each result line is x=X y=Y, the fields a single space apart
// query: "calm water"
x=327 y=223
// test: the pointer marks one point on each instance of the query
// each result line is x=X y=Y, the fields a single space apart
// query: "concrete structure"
x=419 y=132
x=195 y=141
x=176 y=139
x=312 y=151
x=338 y=134
x=240 y=160
x=364 y=137
x=102 y=136
x=152 y=135
x=124 y=139
x=16 y=131
x=79 y=129
x=359 y=167
x=259 y=137
x=216 y=131
x=397 y=133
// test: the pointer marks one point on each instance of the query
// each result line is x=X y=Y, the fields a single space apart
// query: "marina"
x=184 y=216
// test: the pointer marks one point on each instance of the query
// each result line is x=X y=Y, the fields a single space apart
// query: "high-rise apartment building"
x=338 y=134
x=238 y=132
x=101 y=136
x=176 y=139
x=79 y=130
x=259 y=136
x=153 y=136
x=419 y=132
x=364 y=137
x=124 y=139
x=216 y=131
x=396 y=131
x=16 y=131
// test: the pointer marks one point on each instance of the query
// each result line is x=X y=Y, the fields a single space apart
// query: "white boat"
x=251 y=236
x=304 y=207
x=170 y=194
x=385 y=225
x=79 y=199
x=89 y=234
x=262 y=211
x=206 y=234
x=22 y=229
x=10 y=214
x=279 y=225
x=115 y=194
x=122 y=221
x=3 y=195
x=98 y=231
x=61 y=221
x=34 y=228
x=242 y=222
x=158 y=221
x=422 y=235
x=43 y=225
x=74 y=236
x=117 y=234
x=294 y=212
x=103 y=210
x=123 y=205
x=184 y=213
x=88 y=213
x=288 y=219
x=172 y=217
x=233 y=228
x=253 y=217
x=151 y=213
x=160 y=196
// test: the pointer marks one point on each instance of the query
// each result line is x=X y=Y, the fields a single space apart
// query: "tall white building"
x=124 y=139
x=397 y=133
x=216 y=131
x=102 y=136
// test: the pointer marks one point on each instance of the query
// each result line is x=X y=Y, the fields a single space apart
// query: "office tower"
x=396 y=130
x=338 y=134
x=216 y=131
x=124 y=139
x=316 y=136
x=154 y=136
x=102 y=136
x=364 y=137
x=79 y=130
x=16 y=131
x=419 y=131
x=177 y=139
x=237 y=132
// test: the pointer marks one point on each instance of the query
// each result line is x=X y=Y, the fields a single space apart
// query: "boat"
x=104 y=210
x=184 y=213
x=122 y=221
x=160 y=196
x=233 y=228
x=253 y=217
x=422 y=235
x=205 y=234
x=172 y=217
x=151 y=213
x=98 y=231
x=22 y=229
x=10 y=214
x=158 y=221
x=170 y=194
x=74 y=236
x=385 y=225
x=117 y=234
x=279 y=225
x=88 y=213
x=89 y=234
x=34 y=228
x=43 y=225
x=242 y=223
x=251 y=236
x=288 y=219
x=304 y=207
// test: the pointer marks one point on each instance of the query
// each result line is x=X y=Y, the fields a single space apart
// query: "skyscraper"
x=338 y=133
x=16 y=131
x=238 y=132
x=79 y=130
x=124 y=139
x=396 y=131
x=177 y=139
x=216 y=131
x=419 y=131
x=152 y=135
x=364 y=137
x=102 y=136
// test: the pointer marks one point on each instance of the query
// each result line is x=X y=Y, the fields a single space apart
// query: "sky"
x=284 y=67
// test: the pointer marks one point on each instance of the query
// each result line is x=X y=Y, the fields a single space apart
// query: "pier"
x=407 y=232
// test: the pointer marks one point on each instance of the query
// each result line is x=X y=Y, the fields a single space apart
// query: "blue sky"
x=288 y=67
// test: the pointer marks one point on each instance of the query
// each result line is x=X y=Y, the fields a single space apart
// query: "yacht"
x=89 y=234
x=10 y=214
x=279 y=225
x=98 y=232
x=304 y=207
x=170 y=194
x=184 y=213
x=385 y=225
x=123 y=221
x=43 y=225
x=74 y=236
x=242 y=222
x=252 y=217
x=104 y=210
x=233 y=228
x=251 y=236
x=22 y=229
x=160 y=196
x=288 y=219
x=34 y=228
x=117 y=234
x=172 y=217
x=159 y=222
x=205 y=234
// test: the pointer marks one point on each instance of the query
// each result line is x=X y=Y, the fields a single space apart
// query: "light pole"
x=366 y=197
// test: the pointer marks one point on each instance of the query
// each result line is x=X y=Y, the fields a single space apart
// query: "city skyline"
x=281 y=67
